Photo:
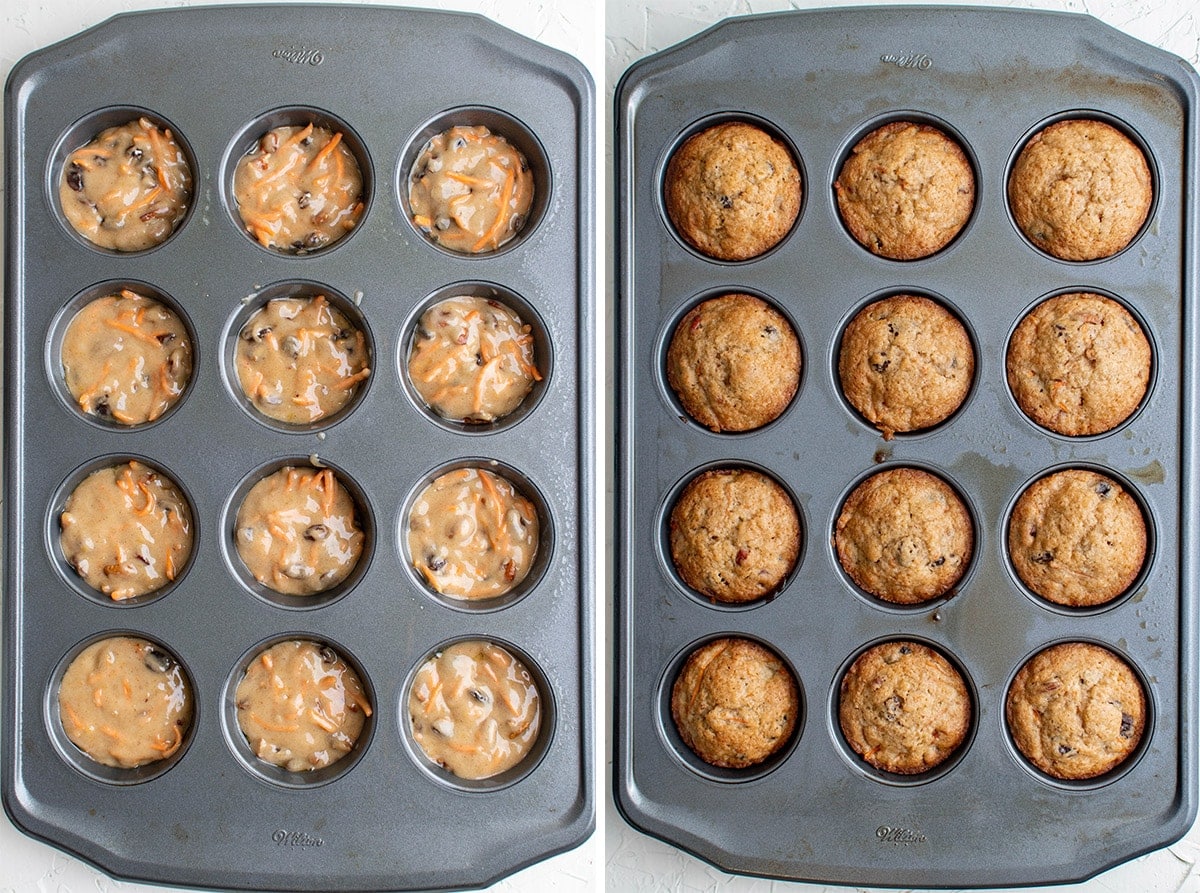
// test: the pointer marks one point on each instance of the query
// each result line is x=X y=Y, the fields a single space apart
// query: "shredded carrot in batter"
x=493 y=233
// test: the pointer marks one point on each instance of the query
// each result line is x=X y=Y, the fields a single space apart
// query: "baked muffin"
x=732 y=191
x=1076 y=710
x=128 y=188
x=1080 y=190
x=734 y=703
x=125 y=702
x=126 y=357
x=906 y=190
x=905 y=363
x=904 y=708
x=470 y=190
x=904 y=536
x=299 y=190
x=735 y=535
x=1077 y=538
x=734 y=363
x=1078 y=364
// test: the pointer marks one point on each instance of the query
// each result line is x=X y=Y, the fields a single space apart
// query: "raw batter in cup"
x=297 y=532
x=472 y=535
x=470 y=190
x=474 y=709
x=125 y=702
x=128 y=188
x=300 y=360
x=301 y=706
x=126 y=357
x=127 y=530
x=472 y=359
x=299 y=190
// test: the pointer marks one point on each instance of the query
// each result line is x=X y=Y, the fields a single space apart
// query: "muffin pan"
x=385 y=817
x=819 y=80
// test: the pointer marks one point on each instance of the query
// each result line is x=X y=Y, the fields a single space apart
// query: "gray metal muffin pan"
x=821 y=79
x=388 y=819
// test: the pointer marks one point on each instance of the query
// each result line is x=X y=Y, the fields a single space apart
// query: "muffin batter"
x=472 y=359
x=300 y=190
x=474 y=709
x=128 y=188
x=300 y=706
x=126 y=357
x=472 y=535
x=297 y=532
x=127 y=530
x=300 y=360
x=470 y=190
x=125 y=702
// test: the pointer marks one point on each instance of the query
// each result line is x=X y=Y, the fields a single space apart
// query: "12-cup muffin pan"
x=385 y=817
x=820 y=80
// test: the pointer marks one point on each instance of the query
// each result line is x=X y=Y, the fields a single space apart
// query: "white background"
x=640 y=864
x=27 y=866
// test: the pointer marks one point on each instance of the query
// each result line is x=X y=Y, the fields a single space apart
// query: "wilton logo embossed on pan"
x=299 y=55
x=919 y=61
x=283 y=837
x=904 y=836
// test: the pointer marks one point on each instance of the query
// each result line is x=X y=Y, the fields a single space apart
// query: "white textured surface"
x=636 y=863
x=574 y=27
